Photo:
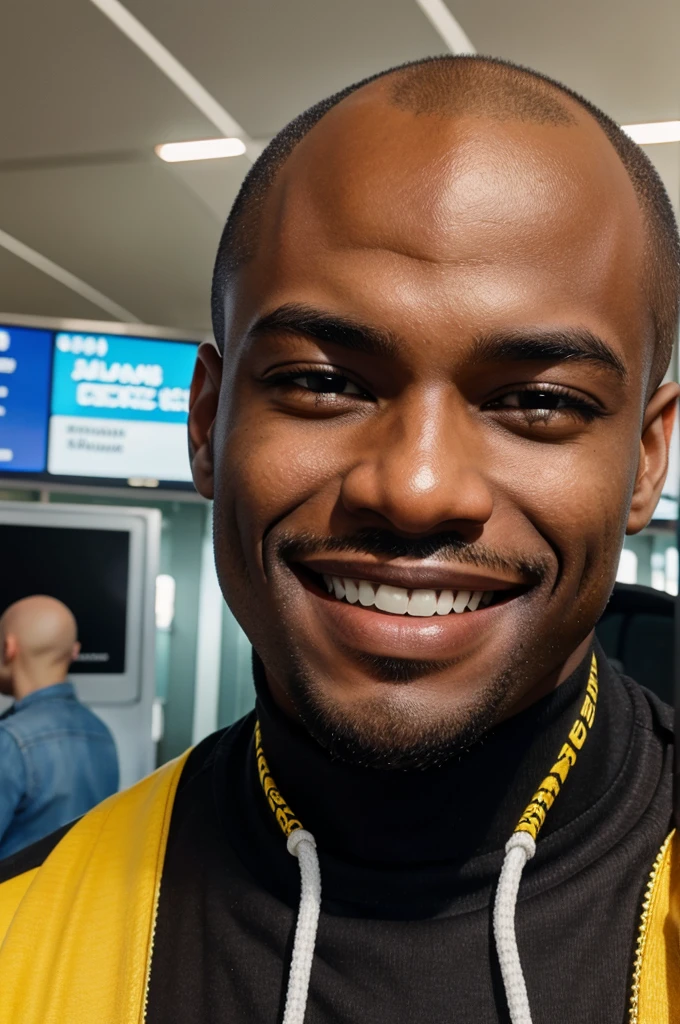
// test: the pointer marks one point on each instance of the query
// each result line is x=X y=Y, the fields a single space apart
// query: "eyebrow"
x=293 y=318
x=564 y=344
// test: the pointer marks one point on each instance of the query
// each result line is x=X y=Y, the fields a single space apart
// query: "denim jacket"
x=57 y=760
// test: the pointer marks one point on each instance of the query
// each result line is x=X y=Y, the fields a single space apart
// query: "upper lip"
x=414 y=576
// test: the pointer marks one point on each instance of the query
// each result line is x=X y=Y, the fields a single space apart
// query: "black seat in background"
x=637 y=631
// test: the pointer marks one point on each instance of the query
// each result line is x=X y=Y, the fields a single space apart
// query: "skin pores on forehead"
x=440 y=234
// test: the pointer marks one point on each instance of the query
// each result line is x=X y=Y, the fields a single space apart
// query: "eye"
x=533 y=400
x=541 y=404
x=323 y=383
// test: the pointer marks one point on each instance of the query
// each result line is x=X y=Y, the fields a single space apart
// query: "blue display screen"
x=94 y=405
x=119 y=408
x=25 y=368
x=122 y=378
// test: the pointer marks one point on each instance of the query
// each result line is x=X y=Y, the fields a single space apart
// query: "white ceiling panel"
x=71 y=84
x=82 y=108
x=621 y=54
x=214 y=182
x=23 y=289
x=266 y=61
x=131 y=230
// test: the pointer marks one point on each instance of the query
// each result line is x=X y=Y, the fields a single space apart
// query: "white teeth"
x=391 y=599
x=422 y=602
x=400 y=601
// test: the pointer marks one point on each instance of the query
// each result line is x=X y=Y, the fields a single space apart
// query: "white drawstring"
x=303 y=846
x=518 y=850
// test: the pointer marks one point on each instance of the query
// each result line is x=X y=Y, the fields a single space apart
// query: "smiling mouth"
x=400 y=601
x=393 y=600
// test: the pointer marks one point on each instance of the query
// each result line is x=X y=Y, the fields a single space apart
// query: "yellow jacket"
x=76 y=934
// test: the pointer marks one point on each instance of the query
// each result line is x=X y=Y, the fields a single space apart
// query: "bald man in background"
x=57 y=759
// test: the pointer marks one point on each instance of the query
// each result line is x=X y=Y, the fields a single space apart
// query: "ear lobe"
x=653 y=465
x=203 y=402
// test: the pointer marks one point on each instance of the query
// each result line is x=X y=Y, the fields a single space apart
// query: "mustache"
x=447 y=546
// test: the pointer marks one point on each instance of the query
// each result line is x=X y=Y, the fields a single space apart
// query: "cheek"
x=576 y=496
x=271 y=465
x=268 y=468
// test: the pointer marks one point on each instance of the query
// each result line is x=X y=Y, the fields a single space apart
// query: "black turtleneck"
x=409 y=863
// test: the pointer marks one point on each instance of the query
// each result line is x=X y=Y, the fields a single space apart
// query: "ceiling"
x=93 y=224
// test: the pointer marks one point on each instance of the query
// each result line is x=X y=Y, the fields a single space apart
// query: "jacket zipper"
x=147 y=981
x=633 y=1015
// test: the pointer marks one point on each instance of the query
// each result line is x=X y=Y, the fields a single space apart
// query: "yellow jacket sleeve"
x=76 y=934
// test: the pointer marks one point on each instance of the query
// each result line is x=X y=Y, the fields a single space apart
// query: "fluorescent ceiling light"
x=201 y=149
x=654 y=131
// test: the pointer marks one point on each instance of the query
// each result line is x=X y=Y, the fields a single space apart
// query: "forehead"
x=453 y=218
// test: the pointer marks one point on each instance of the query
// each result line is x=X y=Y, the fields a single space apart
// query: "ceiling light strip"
x=200 y=149
x=176 y=72
x=65 y=277
x=446 y=25
x=653 y=132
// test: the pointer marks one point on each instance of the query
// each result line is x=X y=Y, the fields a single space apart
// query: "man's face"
x=433 y=388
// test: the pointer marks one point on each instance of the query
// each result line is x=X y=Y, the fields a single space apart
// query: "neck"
x=27 y=680
x=406 y=843
x=399 y=815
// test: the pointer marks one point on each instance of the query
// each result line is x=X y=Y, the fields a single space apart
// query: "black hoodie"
x=409 y=865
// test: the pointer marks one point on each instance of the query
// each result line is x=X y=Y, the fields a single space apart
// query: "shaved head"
x=454 y=87
x=38 y=641
x=477 y=88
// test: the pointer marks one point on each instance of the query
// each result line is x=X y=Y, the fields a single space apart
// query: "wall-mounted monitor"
x=87 y=569
x=94 y=403
x=101 y=562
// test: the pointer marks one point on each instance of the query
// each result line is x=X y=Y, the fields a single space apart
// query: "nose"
x=421 y=469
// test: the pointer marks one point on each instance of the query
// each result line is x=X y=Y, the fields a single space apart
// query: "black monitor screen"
x=87 y=570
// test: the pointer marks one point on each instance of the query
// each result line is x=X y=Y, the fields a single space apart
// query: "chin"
x=388 y=721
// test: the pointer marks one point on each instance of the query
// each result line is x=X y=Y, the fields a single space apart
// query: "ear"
x=10 y=649
x=75 y=651
x=203 y=401
x=657 y=428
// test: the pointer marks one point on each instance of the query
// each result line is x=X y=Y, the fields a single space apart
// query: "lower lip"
x=435 y=637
